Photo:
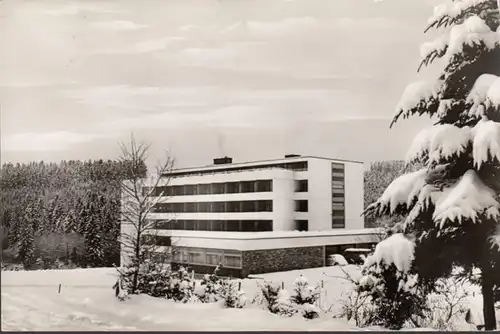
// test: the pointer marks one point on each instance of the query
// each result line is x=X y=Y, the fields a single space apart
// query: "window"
x=218 y=188
x=248 y=206
x=248 y=225
x=264 y=185
x=232 y=225
x=189 y=225
x=232 y=261
x=162 y=240
x=338 y=218
x=190 y=207
x=190 y=189
x=177 y=207
x=336 y=199
x=301 y=225
x=177 y=256
x=264 y=226
x=195 y=258
x=338 y=213
x=301 y=206
x=179 y=190
x=265 y=206
x=248 y=187
x=219 y=207
x=217 y=225
x=233 y=207
x=204 y=189
x=338 y=223
x=168 y=191
x=202 y=225
x=301 y=186
x=338 y=206
x=203 y=207
x=297 y=166
x=214 y=259
x=176 y=224
x=232 y=187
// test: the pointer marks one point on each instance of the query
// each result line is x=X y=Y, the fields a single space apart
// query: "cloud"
x=78 y=8
x=119 y=25
x=48 y=141
x=288 y=26
x=305 y=26
x=143 y=47
x=206 y=56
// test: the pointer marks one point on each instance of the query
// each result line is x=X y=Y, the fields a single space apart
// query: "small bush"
x=210 y=286
x=231 y=294
x=153 y=279
x=180 y=286
x=305 y=297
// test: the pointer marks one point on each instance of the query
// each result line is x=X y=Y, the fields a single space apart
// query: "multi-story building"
x=261 y=216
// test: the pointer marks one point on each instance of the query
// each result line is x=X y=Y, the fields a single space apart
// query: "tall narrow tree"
x=139 y=198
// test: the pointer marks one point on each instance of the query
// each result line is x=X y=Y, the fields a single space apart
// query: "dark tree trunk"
x=137 y=259
x=490 y=322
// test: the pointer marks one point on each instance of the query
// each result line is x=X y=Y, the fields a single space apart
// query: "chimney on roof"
x=223 y=161
x=292 y=156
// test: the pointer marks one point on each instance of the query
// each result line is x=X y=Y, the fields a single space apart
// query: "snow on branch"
x=418 y=95
x=439 y=141
x=486 y=142
x=473 y=31
x=480 y=93
x=397 y=250
x=430 y=194
x=402 y=191
x=429 y=51
x=448 y=13
x=493 y=94
x=465 y=200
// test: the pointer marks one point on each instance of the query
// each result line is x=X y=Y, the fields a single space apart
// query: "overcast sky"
x=251 y=79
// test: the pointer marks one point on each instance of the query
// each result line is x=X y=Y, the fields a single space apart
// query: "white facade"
x=283 y=194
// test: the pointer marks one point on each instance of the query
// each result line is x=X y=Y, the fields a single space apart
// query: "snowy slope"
x=30 y=301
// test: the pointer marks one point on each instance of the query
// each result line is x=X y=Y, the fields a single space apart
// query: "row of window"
x=216 y=225
x=214 y=188
x=295 y=166
x=338 y=195
x=219 y=207
x=210 y=257
x=221 y=188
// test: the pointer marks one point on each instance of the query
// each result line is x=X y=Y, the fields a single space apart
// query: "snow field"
x=30 y=301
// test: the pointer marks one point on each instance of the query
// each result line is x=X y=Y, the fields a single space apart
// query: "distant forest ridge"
x=68 y=213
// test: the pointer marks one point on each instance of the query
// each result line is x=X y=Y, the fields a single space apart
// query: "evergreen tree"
x=27 y=238
x=90 y=228
x=451 y=205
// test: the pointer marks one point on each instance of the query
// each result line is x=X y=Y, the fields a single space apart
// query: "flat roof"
x=270 y=235
x=249 y=241
x=255 y=163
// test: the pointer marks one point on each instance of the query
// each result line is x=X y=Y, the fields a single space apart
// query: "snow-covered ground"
x=30 y=301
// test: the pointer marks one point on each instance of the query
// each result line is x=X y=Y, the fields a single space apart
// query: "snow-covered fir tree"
x=391 y=285
x=451 y=206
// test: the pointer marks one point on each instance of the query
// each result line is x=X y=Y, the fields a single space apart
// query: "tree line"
x=67 y=212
